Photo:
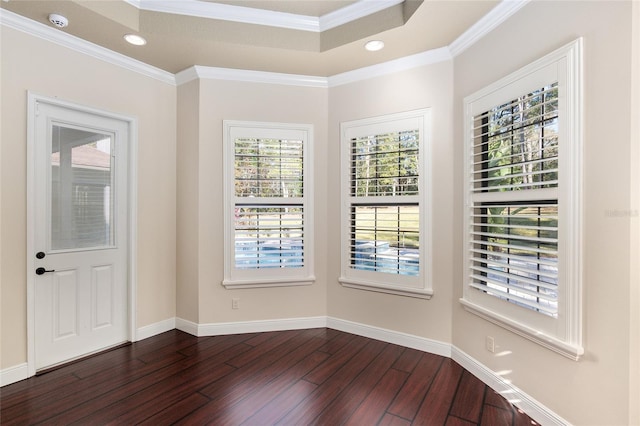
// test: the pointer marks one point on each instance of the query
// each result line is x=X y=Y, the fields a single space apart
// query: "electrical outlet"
x=490 y=344
x=235 y=303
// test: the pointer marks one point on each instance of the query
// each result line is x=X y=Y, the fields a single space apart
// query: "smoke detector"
x=58 y=20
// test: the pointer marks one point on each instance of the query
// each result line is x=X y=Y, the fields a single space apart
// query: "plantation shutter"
x=513 y=248
x=385 y=165
x=269 y=208
x=384 y=219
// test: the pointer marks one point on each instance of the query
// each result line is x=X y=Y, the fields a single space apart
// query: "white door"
x=80 y=233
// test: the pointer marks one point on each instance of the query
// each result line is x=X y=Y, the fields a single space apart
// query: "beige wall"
x=30 y=63
x=594 y=390
x=226 y=100
x=425 y=87
x=187 y=235
x=634 y=159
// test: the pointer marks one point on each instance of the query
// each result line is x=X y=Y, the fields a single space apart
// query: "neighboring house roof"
x=86 y=156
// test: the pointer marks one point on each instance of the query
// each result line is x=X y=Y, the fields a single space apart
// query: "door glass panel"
x=82 y=195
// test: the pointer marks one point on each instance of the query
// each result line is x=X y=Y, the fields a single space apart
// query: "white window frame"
x=266 y=277
x=419 y=286
x=562 y=334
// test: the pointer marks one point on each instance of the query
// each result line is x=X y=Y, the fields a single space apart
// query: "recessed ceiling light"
x=135 y=39
x=374 y=45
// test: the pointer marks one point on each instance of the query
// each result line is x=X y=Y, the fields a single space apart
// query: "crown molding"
x=186 y=75
x=212 y=73
x=20 y=23
x=486 y=24
x=390 y=67
x=247 y=15
x=354 y=12
x=225 y=12
x=402 y=64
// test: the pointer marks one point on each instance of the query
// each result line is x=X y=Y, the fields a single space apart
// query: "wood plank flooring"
x=301 y=377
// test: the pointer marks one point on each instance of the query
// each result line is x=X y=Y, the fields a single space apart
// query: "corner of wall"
x=634 y=299
x=187 y=199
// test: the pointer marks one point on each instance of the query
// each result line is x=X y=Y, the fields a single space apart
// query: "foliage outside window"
x=515 y=242
x=268 y=213
x=523 y=199
x=384 y=179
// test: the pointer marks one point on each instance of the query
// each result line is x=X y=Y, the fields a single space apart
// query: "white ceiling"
x=310 y=37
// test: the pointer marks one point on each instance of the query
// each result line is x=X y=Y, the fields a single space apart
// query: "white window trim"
x=564 y=333
x=420 y=286
x=277 y=277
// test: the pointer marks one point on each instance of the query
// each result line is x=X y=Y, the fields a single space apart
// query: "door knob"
x=41 y=271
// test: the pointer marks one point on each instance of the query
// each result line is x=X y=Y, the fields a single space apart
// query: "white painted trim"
x=31 y=135
x=486 y=24
x=37 y=29
x=249 y=76
x=391 y=336
x=248 y=15
x=572 y=352
x=187 y=75
x=235 y=277
x=187 y=326
x=14 y=374
x=224 y=328
x=402 y=64
x=225 y=12
x=420 y=285
x=564 y=333
x=132 y=230
x=132 y=188
x=353 y=12
x=263 y=283
x=511 y=393
x=155 y=329
x=358 y=284
x=385 y=68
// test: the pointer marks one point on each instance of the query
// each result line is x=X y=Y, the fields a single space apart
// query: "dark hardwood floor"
x=316 y=376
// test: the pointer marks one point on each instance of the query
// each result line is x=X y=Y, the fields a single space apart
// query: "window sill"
x=420 y=293
x=286 y=282
x=571 y=351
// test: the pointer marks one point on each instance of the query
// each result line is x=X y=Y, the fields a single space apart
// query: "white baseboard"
x=155 y=328
x=187 y=326
x=14 y=374
x=219 y=329
x=511 y=393
x=390 y=336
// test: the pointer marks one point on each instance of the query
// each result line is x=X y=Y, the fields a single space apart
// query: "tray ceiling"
x=310 y=37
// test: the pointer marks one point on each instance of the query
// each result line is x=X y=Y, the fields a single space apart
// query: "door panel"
x=64 y=303
x=80 y=224
x=102 y=295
